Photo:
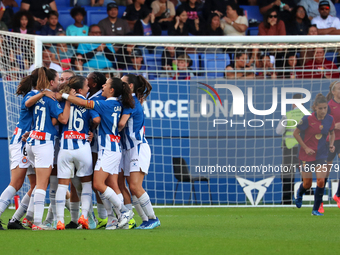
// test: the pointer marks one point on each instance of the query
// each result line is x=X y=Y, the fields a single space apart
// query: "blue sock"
x=301 y=190
x=318 y=194
x=338 y=191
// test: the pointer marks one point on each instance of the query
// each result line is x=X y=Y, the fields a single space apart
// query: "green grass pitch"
x=192 y=231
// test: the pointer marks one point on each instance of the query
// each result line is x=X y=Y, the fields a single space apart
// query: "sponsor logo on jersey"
x=321 y=127
x=114 y=138
x=318 y=136
x=38 y=135
x=73 y=135
x=16 y=131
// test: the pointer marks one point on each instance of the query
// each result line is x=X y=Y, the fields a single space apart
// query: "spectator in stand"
x=52 y=27
x=213 y=26
x=271 y=24
x=308 y=54
x=240 y=67
x=234 y=23
x=283 y=7
x=137 y=63
x=267 y=71
x=39 y=10
x=169 y=57
x=123 y=56
x=191 y=7
x=291 y=65
x=215 y=6
x=312 y=8
x=112 y=25
x=133 y=12
x=183 y=63
x=78 y=28
x=325 y=23
x=318 y=64
x=77 y=64
x=94 y=53
x=6 y=14
x=299 y=23
x=180 y=26
x=23 y=22
x=102 y=2
x=47 y=58
x=146 y=25
x=63 y=52
x=164 y=11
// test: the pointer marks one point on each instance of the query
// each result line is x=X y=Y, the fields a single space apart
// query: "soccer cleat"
x=41 y=227
x=92 y=221
x=101 y=223
x=143 y=225
x=27 y=223
x=337 y=200
x=60 y=226
x=132 y=223
x=15 y=225
x=316 y=213
x=321 y=210
x=298 y=200
x=124 y=218
x=112 y=224
x=153 y=223
x=84 y=222
x=1 y=227
x=71 y=225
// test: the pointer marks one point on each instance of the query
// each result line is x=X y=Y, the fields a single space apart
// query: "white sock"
x=140 y=211
x=120 y=195
x=129 y=206
x=74 y=210
x=22 y=208
x=6 y=197
x=146 y=205
x=110 y=195
x=53 y=190
x=39 y=201
x=30 y=209
x=60 y=201
x=67 y=204
x=102 y=212
x=107 y=205
x=86 y=198
x=49 y=216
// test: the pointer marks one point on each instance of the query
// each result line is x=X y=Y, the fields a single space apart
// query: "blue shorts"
x=311 y=166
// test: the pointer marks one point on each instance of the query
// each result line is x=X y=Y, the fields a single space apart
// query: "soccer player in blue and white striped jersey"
x=137 y=156
x=17 y=150
x=109 y=154
x=40 y=147
x=75 y=153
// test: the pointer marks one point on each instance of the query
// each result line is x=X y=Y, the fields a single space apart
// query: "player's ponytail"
x=143 y=88
x=76 y=82
x=28 y=83
x=45 y=75
x=99 y=79
x=332 y=87
x=121 y=89
x=319 y=99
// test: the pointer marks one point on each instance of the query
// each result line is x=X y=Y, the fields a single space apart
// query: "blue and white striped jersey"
x=134 y=131
x=109 y=111
x=43 y=129
x=25 y=119
x=94 y=143
x=75 y=133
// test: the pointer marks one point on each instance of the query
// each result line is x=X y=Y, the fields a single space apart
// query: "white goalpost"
x=211 y=129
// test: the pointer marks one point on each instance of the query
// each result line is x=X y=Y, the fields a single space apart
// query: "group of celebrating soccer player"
x=318 y=135
x=87 y=132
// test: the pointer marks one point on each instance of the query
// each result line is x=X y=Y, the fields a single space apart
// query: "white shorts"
x=122 y=161
x=18 y=156
x=109 y=161
x=56 y=150
x=30 y=171
x=41 y=156
x=71 y=160
x=138 y=158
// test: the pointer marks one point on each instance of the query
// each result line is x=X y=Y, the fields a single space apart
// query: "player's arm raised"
x=31 y=101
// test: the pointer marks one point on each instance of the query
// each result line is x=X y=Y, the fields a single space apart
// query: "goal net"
x=211 y=119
